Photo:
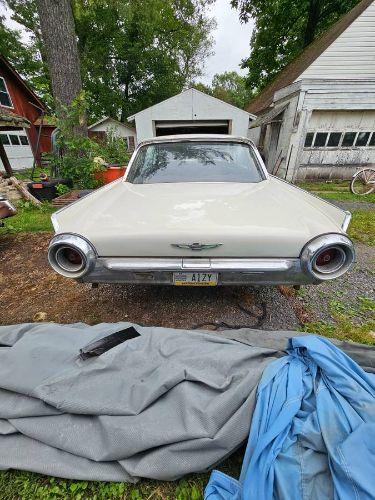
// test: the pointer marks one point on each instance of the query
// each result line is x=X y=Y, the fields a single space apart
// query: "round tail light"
x=328 y=256
x=71 y=255
x=329 y=260
x=70 y=259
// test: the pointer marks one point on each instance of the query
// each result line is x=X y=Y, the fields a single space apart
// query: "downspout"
x=37 y=152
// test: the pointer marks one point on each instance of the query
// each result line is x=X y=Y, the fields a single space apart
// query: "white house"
x=191 y=112
x=317 y=118
x=110 y=125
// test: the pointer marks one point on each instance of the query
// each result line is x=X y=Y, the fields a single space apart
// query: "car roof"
x=196 y=137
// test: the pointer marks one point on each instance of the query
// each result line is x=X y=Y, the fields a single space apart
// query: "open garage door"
x=191 y=127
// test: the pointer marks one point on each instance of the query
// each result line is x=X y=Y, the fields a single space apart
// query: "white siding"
x=118 y=128
x=340 y=121
x=351 y=55
x=191 y=105
x=21 y=156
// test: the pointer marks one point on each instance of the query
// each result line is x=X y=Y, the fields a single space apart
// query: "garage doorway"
x=192 y=127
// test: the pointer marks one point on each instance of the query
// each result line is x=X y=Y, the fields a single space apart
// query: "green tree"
x=25 y=56
x=133 y=53
x=136 y=53
x=282 y=30
x=229 y=87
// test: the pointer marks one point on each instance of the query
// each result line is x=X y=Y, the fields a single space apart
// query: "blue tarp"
x=313 y=430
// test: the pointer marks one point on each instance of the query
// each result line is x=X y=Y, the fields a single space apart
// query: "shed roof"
x=4 y=62
x=296 y=67
x=8 y=119
x=192 y=90
x=108 y=118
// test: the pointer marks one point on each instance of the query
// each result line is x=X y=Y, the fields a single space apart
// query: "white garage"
x=17 y=148
x=191 y=112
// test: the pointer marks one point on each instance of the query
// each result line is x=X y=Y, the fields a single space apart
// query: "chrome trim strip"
x=159 y=271
x=181 y=264
x=348 y=218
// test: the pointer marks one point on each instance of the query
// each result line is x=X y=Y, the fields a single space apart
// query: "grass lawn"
x=335 y=191
x=362 y=226
x=355 y=323
x=29 y=219
x=15 y=485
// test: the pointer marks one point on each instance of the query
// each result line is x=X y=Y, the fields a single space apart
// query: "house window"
x=24 y=140
x=339 y=139
x=130 y=140
x=320 y=139
x=362 y=138
x=14 y=140
x=5 y=99
x=334 y=139
x=309 y=139
x=348 y=140
x=4 y=139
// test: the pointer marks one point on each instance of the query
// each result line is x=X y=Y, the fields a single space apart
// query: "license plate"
x=195 y=279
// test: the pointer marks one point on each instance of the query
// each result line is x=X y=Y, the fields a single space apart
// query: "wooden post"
x=25 y=193
x=4 y=159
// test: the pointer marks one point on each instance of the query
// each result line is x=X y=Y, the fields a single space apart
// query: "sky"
x=232 y=41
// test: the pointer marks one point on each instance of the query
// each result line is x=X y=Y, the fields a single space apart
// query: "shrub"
x=79 y=157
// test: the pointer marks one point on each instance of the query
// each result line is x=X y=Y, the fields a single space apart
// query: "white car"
x=200 y=210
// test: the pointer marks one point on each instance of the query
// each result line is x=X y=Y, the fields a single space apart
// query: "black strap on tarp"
x=103 y=345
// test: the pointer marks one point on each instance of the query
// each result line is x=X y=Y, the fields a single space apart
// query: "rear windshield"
x=195 y=162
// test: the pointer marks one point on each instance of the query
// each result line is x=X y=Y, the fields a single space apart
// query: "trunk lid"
x=266 y=219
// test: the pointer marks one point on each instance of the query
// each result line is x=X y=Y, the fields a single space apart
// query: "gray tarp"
x=161 y=405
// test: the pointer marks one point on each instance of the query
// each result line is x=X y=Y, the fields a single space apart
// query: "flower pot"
x=110 y=174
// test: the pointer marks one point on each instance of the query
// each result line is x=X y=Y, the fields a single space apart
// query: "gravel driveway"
x=29 y=290
x=352 y=205
x=29 y=287
x=343 y=293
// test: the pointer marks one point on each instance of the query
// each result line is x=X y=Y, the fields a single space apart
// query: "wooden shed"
x=317 y=118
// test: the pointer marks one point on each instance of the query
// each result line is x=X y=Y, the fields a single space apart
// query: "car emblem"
x=196 y=246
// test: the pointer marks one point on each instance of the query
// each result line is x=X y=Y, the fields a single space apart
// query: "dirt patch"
x=29 y=288
x=31 y=291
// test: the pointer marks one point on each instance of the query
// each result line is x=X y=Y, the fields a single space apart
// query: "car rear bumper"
x=159 y=271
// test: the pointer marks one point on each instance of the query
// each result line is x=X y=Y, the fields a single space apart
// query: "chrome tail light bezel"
x=61 y=242
x=310 y=253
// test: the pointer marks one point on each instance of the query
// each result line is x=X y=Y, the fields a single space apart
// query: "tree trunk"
x=312 y=22
x=124 y=108
x=60 y=41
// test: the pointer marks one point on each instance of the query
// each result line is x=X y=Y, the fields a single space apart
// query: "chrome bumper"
x=159 y=271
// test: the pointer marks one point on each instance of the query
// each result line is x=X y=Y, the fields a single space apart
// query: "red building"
x=21 y=115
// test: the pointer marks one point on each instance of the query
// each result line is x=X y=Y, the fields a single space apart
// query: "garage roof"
x=193 y=91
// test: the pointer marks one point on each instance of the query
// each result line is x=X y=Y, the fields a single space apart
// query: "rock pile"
x=9 y=190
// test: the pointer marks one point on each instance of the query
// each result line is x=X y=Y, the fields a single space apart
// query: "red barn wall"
x=22 y=100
